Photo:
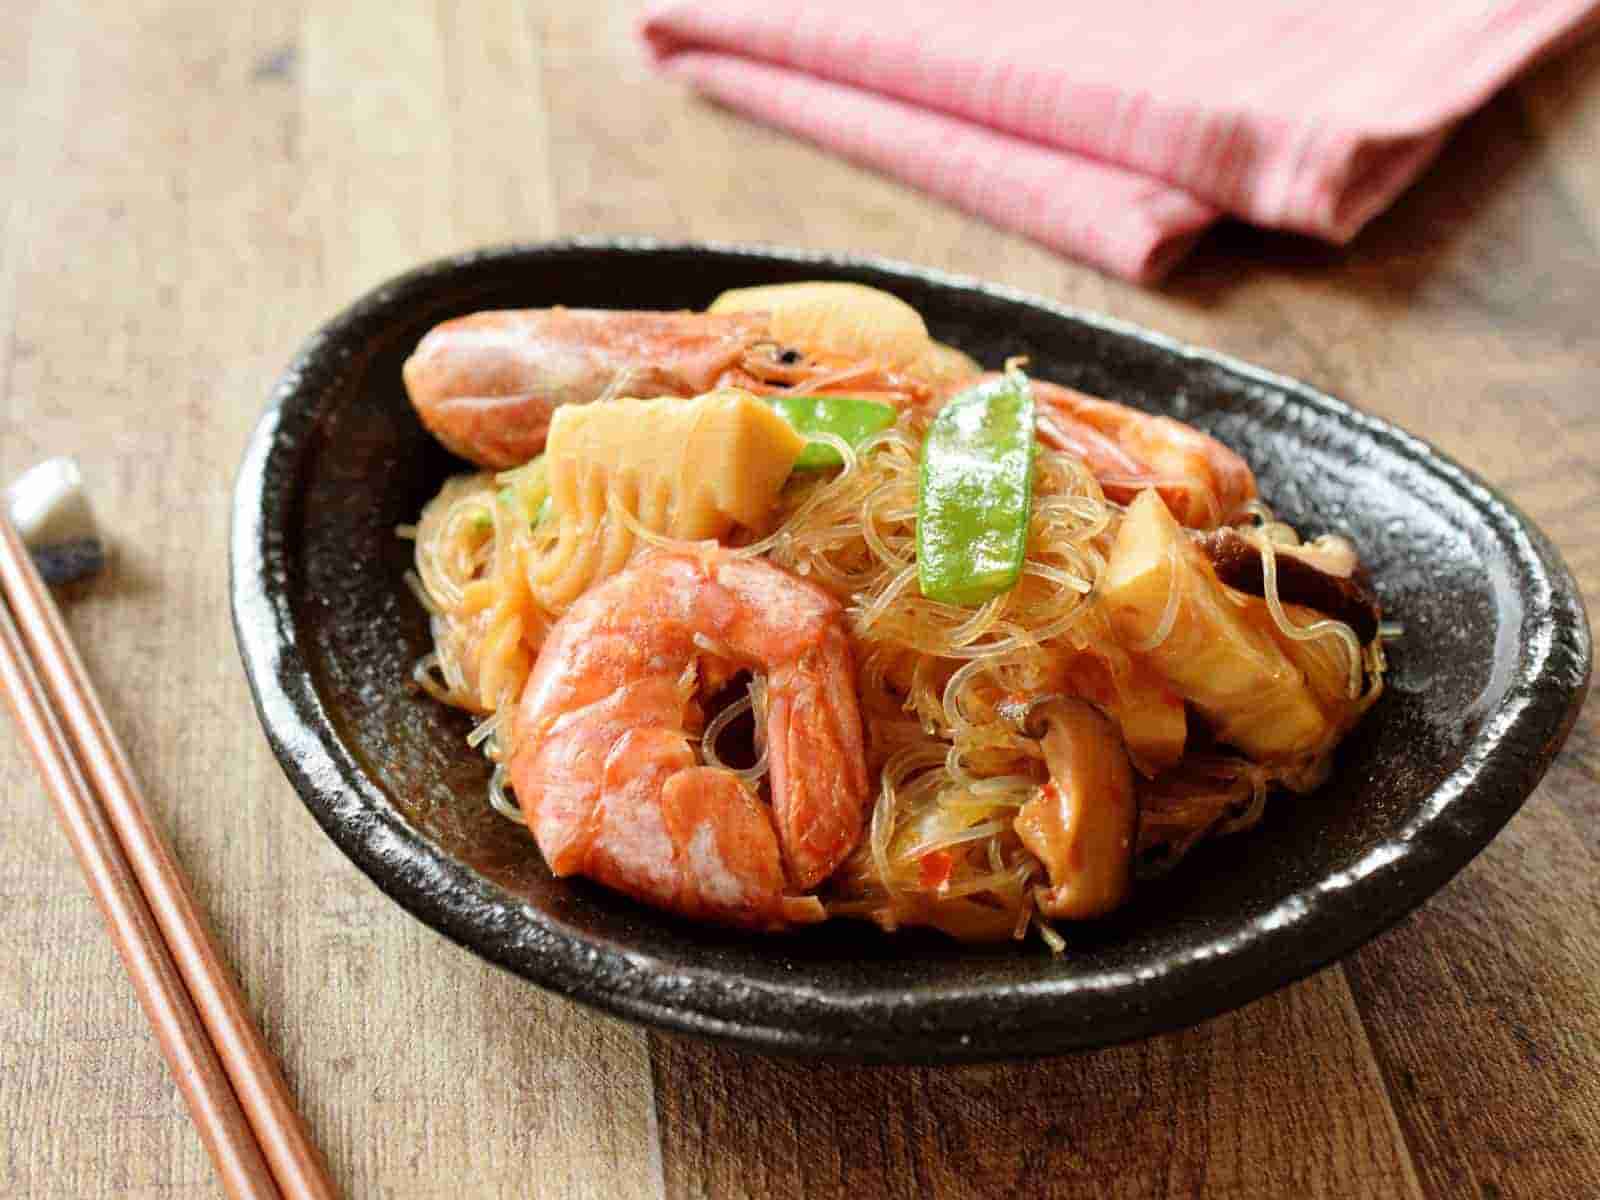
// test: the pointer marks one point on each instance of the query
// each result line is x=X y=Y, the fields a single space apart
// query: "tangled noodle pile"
x=948 y=694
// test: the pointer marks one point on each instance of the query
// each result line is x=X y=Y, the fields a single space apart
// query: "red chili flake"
x=936 y=867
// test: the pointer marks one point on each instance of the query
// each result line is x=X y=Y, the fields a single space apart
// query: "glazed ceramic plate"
x=1485 y=685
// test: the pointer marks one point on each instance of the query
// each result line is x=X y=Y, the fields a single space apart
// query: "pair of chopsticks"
x=235 y=1092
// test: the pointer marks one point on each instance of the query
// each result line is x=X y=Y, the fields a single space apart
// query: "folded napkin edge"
x=1139 y=229
x=1326 y=176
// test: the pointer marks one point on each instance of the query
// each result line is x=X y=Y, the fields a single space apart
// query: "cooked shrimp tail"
x=818 y=762
x=1204 y=483
x=602 y=759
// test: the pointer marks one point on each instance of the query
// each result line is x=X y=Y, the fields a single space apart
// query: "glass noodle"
x=947 y=693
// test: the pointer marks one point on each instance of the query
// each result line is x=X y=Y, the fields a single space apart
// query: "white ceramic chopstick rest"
x=50 y=510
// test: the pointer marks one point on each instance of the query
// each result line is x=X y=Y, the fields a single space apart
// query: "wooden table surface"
x=188 y=188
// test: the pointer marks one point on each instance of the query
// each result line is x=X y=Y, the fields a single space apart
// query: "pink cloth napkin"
x=1116 y=132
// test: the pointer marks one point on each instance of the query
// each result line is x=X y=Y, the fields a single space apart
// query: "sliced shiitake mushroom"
x=1324 y=575
x=1083 y=823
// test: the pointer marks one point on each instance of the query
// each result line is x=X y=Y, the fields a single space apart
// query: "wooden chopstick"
x=121 y=845
x=183 y=1040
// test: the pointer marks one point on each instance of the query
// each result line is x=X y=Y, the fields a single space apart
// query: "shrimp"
x=601 y=756
x=1204 y=483
x=487 y=385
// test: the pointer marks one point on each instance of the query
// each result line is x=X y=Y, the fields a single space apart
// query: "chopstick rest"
x=51 y=511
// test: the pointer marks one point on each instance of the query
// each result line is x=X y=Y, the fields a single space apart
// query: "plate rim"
x=954 y=1024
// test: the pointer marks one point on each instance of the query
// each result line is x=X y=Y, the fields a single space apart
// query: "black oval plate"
x=1485 y=686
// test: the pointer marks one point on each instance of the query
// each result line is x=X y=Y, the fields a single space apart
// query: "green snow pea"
x=976 y=493
x=854 y=418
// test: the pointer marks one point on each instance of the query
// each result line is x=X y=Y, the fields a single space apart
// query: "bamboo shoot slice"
x=1166 y=605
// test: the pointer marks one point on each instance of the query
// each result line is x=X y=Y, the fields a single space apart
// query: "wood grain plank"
x=639 y=155
x=1485 y=1012
x=33 y=105
x=239 y=173
x=88 y=1107
x=1563 y=106
x=500 y=172
x=375 y=143
x=1211 y=1111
